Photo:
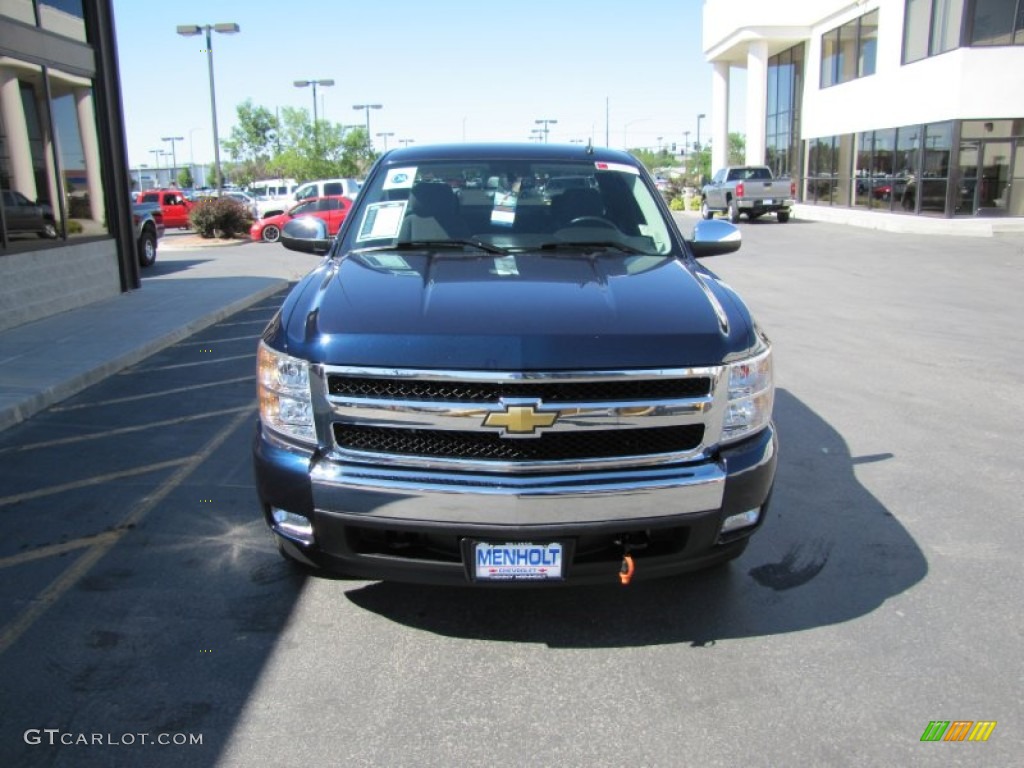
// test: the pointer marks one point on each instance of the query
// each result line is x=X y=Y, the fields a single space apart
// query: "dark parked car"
x=24 y=216
x=495 y=390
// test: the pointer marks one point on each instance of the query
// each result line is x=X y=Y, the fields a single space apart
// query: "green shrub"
x=695 y=203
x=677 y=204
x=75 y=227
x=219 y=217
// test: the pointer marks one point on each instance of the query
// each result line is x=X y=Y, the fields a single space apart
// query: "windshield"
x=512 y=205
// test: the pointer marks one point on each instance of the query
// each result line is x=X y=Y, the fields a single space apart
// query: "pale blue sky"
x=438 y=67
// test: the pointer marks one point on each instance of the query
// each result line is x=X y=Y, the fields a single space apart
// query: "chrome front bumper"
x=536 y=500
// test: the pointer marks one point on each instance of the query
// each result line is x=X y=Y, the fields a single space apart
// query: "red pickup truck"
x=175 y=206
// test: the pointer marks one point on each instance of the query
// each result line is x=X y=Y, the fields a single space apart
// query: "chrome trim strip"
x=572 y=417
x=512 y=376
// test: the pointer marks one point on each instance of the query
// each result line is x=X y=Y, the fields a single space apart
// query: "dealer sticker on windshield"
x=517 y=561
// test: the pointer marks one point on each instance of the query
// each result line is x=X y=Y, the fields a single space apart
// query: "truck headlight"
x=751 y=397
x=286 y=405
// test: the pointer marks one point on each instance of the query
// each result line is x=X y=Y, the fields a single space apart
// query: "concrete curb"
x=26 y=402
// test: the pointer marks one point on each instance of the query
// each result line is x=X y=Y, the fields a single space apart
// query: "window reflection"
x=74 y=120
x=50 y=172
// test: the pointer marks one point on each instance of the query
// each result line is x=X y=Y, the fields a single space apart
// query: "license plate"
x=517 y=561
x=769 y=201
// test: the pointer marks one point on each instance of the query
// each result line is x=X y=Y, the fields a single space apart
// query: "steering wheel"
x=595 y=221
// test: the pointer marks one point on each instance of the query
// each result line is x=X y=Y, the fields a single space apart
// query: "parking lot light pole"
x=190 y=30
x=545 y=122
x=314 y=83
x=700 y=117
x=385 y=137
x=368 y=107
x=174 y=154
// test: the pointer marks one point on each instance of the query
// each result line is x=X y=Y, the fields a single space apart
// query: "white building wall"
x=962 y=84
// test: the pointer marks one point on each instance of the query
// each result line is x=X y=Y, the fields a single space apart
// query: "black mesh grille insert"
x=552 y=446
x=644 y=390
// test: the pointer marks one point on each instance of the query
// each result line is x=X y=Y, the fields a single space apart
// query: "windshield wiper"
x=596 y=245
x=407 y=245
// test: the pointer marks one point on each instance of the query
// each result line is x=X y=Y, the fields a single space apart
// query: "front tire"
x=271 y=233
x=782 y=216
x=706 y=213
x=147 y=249
x=49 y=231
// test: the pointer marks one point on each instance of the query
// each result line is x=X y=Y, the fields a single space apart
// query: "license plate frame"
x=492 y=561
x=769 y=201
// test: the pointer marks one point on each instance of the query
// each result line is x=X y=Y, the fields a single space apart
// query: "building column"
x=719 y=115
x=51 y=146
x=91 y=151
x=12 y=110
x=757 y=101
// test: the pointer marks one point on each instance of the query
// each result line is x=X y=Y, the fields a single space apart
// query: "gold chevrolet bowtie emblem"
x=520 y=420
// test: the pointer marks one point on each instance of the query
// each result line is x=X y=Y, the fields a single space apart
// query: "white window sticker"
x=504 y=212
x=400 y=178
x=382 y=220
x=620 y=167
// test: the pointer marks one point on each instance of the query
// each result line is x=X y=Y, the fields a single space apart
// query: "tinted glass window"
x=517 y=208
x=333 y=188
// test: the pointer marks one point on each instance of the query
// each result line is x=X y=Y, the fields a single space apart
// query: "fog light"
x=293 y=526
x=742 y=520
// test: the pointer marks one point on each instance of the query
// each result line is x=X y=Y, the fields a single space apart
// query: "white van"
x=273 y=196
x=326 y=187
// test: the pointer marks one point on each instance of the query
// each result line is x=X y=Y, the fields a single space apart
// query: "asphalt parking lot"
x=141 y=597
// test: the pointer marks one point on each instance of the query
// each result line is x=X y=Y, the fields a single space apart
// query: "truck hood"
x=522 y=312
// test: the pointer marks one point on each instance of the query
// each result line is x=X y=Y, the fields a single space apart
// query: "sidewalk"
x=188 y=289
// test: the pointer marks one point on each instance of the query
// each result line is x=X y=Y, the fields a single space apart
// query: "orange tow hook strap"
x=626 y=571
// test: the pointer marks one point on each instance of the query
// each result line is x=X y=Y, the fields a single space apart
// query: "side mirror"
x=715 y=236
x=307 y=234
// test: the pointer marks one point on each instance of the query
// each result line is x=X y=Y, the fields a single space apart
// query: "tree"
x=737 y=154
x=654 y=160
x=185 y=179
x=252 y=141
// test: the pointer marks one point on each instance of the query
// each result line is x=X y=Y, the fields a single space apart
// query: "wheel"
x=706 y=213
x=147 y=249
x=782 y=216
x=592 y=221
x=734 y=212
x=271 y=233
x=49 y=231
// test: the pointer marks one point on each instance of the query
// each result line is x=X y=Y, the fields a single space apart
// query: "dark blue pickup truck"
x=492 y=382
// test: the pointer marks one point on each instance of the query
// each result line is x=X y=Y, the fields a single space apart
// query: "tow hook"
x=628 y=567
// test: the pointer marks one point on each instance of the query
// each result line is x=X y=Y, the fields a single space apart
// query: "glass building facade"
x=63 y=182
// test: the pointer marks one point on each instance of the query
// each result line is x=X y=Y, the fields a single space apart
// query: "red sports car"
x=332 y=210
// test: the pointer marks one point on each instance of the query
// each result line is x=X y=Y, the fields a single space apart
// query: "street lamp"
x=699 y=118
x=368 y=107
x=174 y=153
x=406 y=142
x=314 y=83
x=625 y=128
x=385 y=137
x=545 y=122
x=190 y=30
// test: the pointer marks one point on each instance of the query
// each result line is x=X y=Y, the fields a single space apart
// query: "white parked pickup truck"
x=748 y=189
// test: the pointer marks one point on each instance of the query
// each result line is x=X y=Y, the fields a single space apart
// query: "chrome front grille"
x=519 y=422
